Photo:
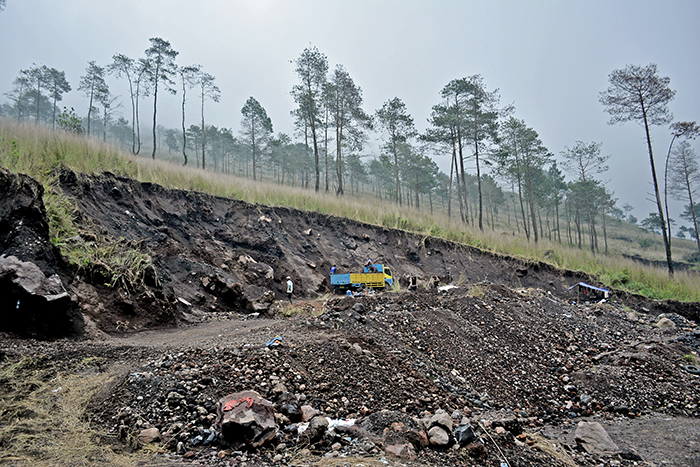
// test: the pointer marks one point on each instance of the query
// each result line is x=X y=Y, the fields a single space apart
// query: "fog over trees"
x=500 y=170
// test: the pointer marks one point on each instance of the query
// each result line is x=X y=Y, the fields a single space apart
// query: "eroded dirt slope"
x=202 y=247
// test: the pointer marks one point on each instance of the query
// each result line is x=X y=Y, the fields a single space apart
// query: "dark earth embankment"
x=196 y=238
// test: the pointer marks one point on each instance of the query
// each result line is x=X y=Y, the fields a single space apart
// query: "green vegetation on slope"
x=38 y=152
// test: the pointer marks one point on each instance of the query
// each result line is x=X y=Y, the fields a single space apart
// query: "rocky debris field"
x=504 y=369
x=477 y=375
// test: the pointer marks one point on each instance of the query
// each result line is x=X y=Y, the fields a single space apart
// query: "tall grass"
x=38 y=151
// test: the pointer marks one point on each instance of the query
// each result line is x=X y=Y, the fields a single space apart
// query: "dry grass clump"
x=43 y=420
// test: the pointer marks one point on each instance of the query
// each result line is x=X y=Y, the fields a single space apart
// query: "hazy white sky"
x=549 y=58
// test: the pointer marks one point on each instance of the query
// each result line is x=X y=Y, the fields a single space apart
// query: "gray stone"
x=665 y=323
x=29 y=300
x=279 y=388
x=308 y=412
x=402 y=451
x=442 y=420
x=149 y=435
x=594 y=439
x=438 y=436
x=317 y=427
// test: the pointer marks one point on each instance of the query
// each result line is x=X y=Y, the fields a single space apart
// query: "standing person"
x=290 y=288
x=333 y=269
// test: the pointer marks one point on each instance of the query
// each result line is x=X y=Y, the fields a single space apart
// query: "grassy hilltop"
x=39 y=151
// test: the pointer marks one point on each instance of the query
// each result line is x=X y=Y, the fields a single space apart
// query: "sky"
x=548 y=58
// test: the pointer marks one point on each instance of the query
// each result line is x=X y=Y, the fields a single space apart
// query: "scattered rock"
x=665 y=323
x=464 y=434
x=438 y=437
x=402 y=451
x=442 y=420
x=149 y=435
x=307 y=413
x=594 y=439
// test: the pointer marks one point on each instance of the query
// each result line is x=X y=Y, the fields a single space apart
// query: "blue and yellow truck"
x=375 y=276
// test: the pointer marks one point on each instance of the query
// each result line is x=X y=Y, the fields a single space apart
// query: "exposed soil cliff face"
x=24 y=228
x=213 y=254
x=202 y=244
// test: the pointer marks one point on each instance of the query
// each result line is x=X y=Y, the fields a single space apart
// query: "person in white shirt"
x=290 y=288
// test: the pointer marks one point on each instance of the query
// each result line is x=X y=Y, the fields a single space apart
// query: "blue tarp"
x=592 y=287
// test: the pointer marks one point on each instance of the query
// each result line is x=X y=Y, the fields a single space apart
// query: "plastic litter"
x=274 y=342
x=445 y=288
x=336 y=422
x=332 y=424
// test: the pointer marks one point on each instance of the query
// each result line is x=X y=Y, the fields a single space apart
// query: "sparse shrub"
x=477 y=291
x=692 y=257
x=645 y=243
x=617 y=278
x=692 y=359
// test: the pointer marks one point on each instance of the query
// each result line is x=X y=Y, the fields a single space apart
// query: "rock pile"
x=431 y=378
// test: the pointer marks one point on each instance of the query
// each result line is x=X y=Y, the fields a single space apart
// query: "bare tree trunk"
x=577 y=221
x=464 y=180
x=667 y=243
x=692 y=210
x=605 y=234
x=184 y=131
x=204 y=139
x=452 y=167
x=339 y=159
x=325 y=143
x=155 y=101
x=478 y=170
x=459 y=193
x=399 y=201
x=522 y=208
x=531 y=201
x=557 y=219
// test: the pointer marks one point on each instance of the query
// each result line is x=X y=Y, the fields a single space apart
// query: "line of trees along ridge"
x=331 y=129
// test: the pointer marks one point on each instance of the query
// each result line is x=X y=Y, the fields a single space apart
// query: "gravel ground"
x=522 y=367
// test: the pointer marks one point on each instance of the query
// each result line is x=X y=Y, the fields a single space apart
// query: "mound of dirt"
x=521 y=368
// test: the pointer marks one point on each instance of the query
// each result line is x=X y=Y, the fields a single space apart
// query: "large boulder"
x=314 y=433
x=246 y=419
x=30 y=302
